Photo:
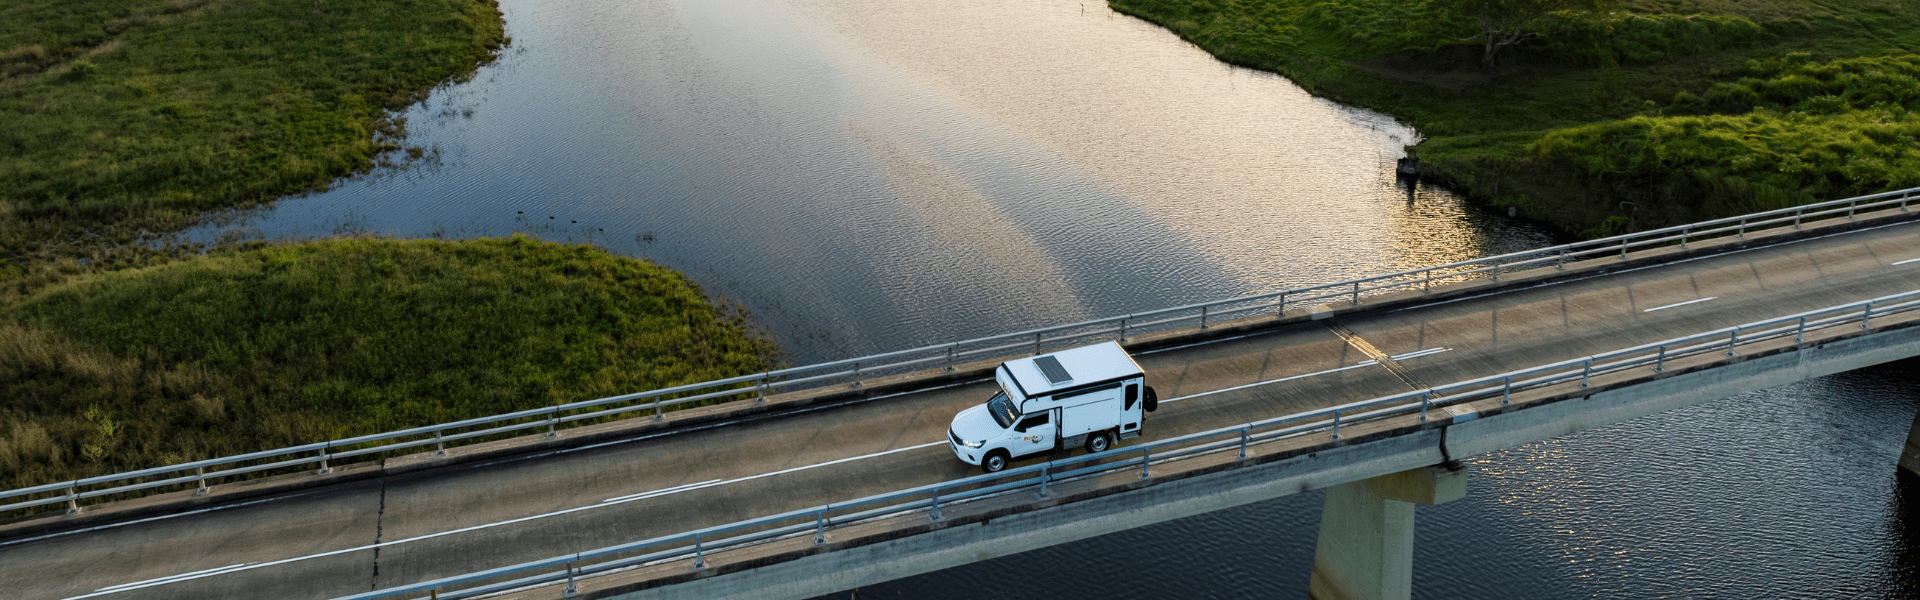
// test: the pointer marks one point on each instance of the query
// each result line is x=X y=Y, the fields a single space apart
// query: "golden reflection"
x=961 y=234
x=1276 y=186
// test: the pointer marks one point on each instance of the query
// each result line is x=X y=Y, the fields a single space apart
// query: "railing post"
x=1423 y=405
x=1036 y=343
x=699 y=558
x=570 y=589
x=553 y=421
x=1506 y=391
x=1356 y=292
x=1868 y=317
x=1586 y=371
x=1743 y=228
x=1683 y=236
x=1733 y=339
x=1243 y=443
x=856 y=374
x=761 y=395
x=657 y=411
x=439 y=445
x=323 y=461
x=1800 y=337
x=1850 y=208
x=1203 y=317
x=1336 y=424
x=202 y=472
x=1496 y=271
x=1123 y=330
x=1903 y=200
x=1796 y=217
x=1043 y=479
x=1429 y=283
x=73 y=499
x=1561 y=264
x=1660 y=364
x=936 y=502
x=820 y=524
x=950 y=349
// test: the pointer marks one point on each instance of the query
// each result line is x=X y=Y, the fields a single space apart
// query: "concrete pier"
x=1365 y=551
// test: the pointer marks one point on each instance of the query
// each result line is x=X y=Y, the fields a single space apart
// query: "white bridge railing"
x=854 y=372
x=814 y=522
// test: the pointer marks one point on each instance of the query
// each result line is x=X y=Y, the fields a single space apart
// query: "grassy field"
x=277 y=345
x=128 y=118
x=1691 y=109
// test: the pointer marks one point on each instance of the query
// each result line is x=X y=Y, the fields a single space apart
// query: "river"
x=872 y=175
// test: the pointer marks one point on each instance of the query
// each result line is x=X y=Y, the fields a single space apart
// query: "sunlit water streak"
x=868 y=175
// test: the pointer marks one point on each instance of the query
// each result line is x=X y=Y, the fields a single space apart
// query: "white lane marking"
x=1906 y=261
x=161 y=517
x=1679 y=304
x=658 y=493
x=170 y=578
x=662 y=492
x=1369 y=363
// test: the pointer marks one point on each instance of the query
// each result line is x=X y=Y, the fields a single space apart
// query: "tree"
x=1504 y=23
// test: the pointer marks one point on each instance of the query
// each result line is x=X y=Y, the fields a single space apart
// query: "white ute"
x=1092 y=395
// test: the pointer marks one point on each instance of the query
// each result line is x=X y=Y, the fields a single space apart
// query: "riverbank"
x=1655 y=114
x=267 y=346
x=127 y=119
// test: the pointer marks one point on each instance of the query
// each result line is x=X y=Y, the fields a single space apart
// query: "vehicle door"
x=1131 y=411
x=1034 y=434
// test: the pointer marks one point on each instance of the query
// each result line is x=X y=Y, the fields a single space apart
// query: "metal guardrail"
x=854 y=372
x=816 y=521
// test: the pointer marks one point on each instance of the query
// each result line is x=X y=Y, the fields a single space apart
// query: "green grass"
x=126 y=118
x=276 y=345
x=1690 y=109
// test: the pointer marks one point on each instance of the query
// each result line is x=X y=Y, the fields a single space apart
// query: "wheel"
x=1099 y=443
x=995 y=462
x=1153 y=400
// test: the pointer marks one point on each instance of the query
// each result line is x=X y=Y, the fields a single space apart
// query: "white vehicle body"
x=1092 y=396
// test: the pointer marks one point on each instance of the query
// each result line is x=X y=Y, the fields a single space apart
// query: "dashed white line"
x=1906 y=261
x=1427 y=352
x=1679 y=304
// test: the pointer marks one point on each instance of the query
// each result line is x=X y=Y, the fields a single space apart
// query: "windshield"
x=1003 y=410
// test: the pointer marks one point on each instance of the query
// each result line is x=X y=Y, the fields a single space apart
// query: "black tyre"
x=995 y=462
x=1099 y=442
x=1153 y=400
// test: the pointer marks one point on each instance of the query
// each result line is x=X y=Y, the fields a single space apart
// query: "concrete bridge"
x=1372 y=398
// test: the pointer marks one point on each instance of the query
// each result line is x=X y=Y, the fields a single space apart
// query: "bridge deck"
x=547 y=505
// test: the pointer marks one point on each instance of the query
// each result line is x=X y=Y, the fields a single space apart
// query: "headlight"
x=973 y=444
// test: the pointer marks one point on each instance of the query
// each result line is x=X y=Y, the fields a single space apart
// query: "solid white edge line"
x=148 y=519
x=115 y=588
x=1679 y=304
x=1906 y=261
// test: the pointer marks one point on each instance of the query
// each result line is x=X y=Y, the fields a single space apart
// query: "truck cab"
x=1091 y=396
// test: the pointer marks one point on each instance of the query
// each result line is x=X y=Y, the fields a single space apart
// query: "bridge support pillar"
x=1365 y=551
x=1910 y=455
